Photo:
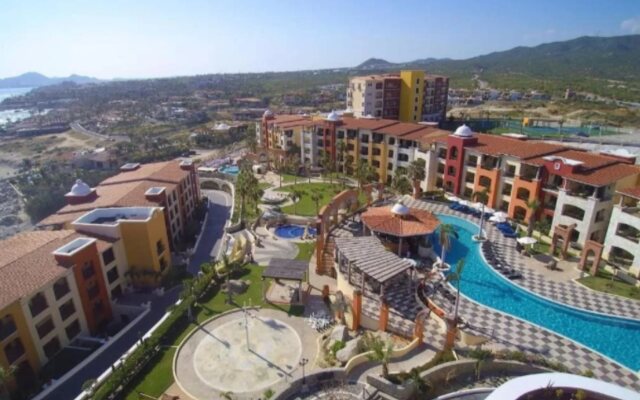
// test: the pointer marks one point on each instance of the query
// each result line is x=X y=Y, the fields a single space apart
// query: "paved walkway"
x=211 y=240
x=273 y=247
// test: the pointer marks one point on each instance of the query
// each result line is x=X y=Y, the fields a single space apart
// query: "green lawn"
x=305 y=251
x=157 y=375
x=307 y=207
x=603 y=283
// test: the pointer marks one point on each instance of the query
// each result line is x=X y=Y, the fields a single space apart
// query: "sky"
x=157 y=38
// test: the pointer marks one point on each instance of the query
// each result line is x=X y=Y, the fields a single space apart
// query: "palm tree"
x=316 y=197
x=455 y=276
x=327 y=165
x=421 y=386
x=400 y=183
x=533 y=206
x=294 y=195
x=364 y=173
x=416 y=175
x=482 y=196
x=446 y=232
x=348 y=163
x=380 y=351
x=247 y=187
x=188 y=291
x=342 y=151
x=252 y=143
x=307 y=168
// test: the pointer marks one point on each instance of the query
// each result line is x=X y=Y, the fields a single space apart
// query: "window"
x=14 y=350
x=112 y=274
x=61 y=288
x=7 y=326
x=376 y=151
x=417 y=91
x=451 y=171
x=403 y=157
x=93 y=291
x=67 y=309
x=390 y=166
x=87 y=270
x=573 y=212
x=392 y=141
x=453 y=154
x=98 y=308
x=73 y=329
x=390 y=154
x=108 y=256
x=37 y=304
x=44 y=327
x=52 y=347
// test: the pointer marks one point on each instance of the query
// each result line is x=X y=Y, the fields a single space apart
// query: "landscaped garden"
x=305 y=250
x=606 y=282
x=157 y=375
x=309 y=205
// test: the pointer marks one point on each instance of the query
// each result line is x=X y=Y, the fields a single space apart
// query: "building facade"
x=409 y=96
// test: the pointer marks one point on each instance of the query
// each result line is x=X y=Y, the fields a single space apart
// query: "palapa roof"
x=415 y=222
x=371 y=257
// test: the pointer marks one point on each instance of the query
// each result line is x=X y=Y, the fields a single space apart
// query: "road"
x=219 y=208
x=211 y=240
x=80 y=129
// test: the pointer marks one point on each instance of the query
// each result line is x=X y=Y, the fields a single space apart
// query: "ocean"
x=13 y=115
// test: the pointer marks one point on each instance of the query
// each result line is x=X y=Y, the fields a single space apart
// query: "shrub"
x=337 y=346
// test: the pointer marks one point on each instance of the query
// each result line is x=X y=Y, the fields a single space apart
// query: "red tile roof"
x=502 y=145
x=373 y=124
x=632 y=192
x=417 y=222
x=27 y=262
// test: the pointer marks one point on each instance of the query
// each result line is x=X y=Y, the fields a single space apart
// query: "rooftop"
x=111 y=216
x=400 y=221
x=369 y=255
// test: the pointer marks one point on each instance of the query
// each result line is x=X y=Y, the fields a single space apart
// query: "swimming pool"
x=230 y=169
x=615 y=337
x=293 y=231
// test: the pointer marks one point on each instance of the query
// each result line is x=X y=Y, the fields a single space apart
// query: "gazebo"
x=399 y=226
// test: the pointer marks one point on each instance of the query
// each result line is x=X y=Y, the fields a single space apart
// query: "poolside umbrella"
x=501 y=214
x=451 y=197
x=411 y=261
x=527 y=240
x=497 y=219
x=489 y=210
x=464 y=203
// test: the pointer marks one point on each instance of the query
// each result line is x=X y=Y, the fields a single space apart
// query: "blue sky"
x=152 y=38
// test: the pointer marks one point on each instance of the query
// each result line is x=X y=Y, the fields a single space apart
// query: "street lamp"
x=302 y=363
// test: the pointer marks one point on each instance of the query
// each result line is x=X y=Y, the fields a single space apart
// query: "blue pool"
x=230 y=169
x=617 y=338
x=293 y=231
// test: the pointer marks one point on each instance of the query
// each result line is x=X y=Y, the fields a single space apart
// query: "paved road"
x=79 y=128
x=219 y=207
x=209 y=245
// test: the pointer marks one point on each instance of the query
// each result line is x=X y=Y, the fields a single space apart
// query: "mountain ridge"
x=36 y=79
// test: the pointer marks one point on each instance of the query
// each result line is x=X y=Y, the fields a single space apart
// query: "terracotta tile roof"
x=27 y=262
x=416 y=222
x=632 y=192
x=282 y=118
x=499 y=145
x=168 y=171
x=373 y=124
x=399 y=129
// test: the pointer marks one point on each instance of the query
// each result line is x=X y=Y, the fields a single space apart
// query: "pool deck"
x=505 y=331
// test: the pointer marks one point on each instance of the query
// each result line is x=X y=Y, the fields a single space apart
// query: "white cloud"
x=631 y=25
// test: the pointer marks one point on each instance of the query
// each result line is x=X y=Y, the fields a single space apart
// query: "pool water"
x=617 y=338
x=293 y=231
x=230 y=169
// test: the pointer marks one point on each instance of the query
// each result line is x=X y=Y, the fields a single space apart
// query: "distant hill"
x=35 y=79
x=375 y=63
x=585 y=63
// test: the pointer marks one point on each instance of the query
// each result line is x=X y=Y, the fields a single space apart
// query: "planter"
x=400 y=392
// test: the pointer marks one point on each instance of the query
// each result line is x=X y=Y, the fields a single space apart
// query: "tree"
x=307 y=168
x=247 y=188
x=341 y=146
x=380 y=351
x=188 y=291
x=327 y=165
x=533 y=206
x=446 y=232
x=455 y=277
x=316 y=197
x=295 y=195
x=348 y=163
x=417 y=174
x=252 y=143
x=365 y=173
x=481 y=196
x=400 y=183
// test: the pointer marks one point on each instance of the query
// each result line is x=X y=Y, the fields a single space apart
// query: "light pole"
x=302 y=363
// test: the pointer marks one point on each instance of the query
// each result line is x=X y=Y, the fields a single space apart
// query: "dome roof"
x=400 y=209
x=463 y=131
x=333 y=116
x=80 y=189
x=268 y=113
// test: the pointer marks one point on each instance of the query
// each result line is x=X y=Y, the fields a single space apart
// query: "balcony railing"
x=629 y=234
x=488 y=165
x=471 y=163
x=510 y=173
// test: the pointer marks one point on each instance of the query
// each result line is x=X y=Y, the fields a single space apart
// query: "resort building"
x=172 y=185
x=622 y=243
x=60 y=286
x=409 y=96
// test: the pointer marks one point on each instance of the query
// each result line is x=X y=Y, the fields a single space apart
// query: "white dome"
x=333 y=116
x=80 y=189
x=268 y=113
x=400 y=209
x=463 y=131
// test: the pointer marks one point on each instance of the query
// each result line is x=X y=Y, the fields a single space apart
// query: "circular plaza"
x=242 y=354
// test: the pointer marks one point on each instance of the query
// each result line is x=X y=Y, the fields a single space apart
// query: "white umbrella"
x=451 y=197
x=478 y=206
x=464 y=203
x=411 y=261
x=527 y=240
x=497 y=218
x=501 y=214
x=489 y=210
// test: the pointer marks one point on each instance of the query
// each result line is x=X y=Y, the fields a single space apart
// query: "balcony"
x=489 y=163
x=37 y=304
x=442 y=153
x=61 y=288
x=472 y=162
x=509 y=173
x=66 y=310
x=7 y=327
x=14 y=350
x=573 y=212
x=469 y=178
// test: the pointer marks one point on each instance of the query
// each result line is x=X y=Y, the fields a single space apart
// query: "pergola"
x=365 y=257
x=399 y=221
x=286 y=269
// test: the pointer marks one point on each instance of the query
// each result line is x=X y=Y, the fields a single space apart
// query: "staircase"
x=327 y=256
